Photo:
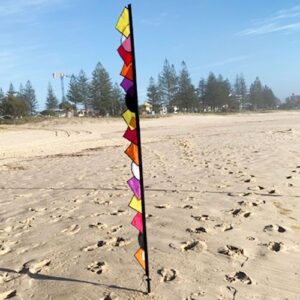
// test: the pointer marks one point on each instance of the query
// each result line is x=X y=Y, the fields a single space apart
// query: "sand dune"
x=223 y=206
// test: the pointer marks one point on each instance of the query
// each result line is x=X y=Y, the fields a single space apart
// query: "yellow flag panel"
x=123 y=23
x=136 y=204
x=129 y=118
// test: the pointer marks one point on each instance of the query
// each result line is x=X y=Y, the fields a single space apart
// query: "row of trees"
x=212 y=94
x=98 y=94
x=18 y=103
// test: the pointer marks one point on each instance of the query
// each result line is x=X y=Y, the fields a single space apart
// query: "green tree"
x=118 y=100
x=154 y=95
x=186 y=97
x=73 y=92
x=240 y=92
x=270 y=101
x=101 y=91
x=51 y=101
x=29 y=97
x=14 y=106
x=201 y=93
x=11 y=90
x=255 y=94
x=167 y=83
x=83 y=89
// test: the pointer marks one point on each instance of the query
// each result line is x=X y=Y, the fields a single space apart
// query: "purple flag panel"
x=135 y=186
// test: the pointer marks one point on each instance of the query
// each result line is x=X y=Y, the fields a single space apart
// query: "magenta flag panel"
x=137 y=222
x=127 y=45
x=131 y=135
x=135 y=186
x=127 y=84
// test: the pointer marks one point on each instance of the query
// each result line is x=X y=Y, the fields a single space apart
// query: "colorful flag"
x=133 y=135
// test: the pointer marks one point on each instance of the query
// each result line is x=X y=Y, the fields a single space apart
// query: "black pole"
x=140 y=153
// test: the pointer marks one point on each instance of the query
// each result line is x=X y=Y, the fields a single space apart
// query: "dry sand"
x=223 y=205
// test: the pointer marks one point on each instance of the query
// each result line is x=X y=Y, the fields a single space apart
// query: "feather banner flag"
x=133 y=135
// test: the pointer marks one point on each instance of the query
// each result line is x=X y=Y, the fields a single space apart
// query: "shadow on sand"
x=25 y=271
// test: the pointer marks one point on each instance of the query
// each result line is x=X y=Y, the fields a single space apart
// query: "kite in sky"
x=133 y=135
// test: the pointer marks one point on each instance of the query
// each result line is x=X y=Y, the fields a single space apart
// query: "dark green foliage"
x=292 y=102
x=66 y=105
x=14 y=106
x=217 y=94
x=186 y=97
x=154 y=96
x=167 y=82
x=118 y=100
x=240 y=93
x=51 y=101
x=28 y=95
x=101 y=91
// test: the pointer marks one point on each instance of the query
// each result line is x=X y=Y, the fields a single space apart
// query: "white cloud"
x=278 y=22
x=9 y=8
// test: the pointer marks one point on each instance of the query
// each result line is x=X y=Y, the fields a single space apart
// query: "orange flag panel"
x=127 y=72
x=133 y=152
x=140 y=257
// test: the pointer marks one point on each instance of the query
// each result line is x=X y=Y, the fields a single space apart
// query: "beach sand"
x=223 y=206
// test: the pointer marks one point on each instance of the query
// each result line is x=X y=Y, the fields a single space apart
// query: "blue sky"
x=39 y=37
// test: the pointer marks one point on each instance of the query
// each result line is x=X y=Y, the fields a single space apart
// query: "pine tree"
x=118 y=100
x=11 y=90
x=167 y=82
x=51 y=102
x=83 y=89
x=240 y=92
x=29 y=97
x=255 y=94
x=201 y=93
x=154 y=95
x=186 y=97
x=101 y=91
x=211 y=92
x=269 y=99
x=73 y=92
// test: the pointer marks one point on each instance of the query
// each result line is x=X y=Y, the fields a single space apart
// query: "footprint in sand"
x=6 y=277
x=97 y=225
x=196 y=246
x=73 y=229
x=167 y=275
x=162 y=206
x=200 y=218
x=109 y=296
x=197 y=230
x=274 y=246
x=118 y=242
x=38 y=266
x=116 y=228
x=4 y=249
x=8 y=294
x=239 y=276
x=55 y=218
x=89 y=248
x=195 y=296
x=251 y=204
x=33 y=266
x=118 y=212
x=238 y=211
x=278 y=228
x=97 y=267
x=224 y=226
x=187 y=207
x=230 y=250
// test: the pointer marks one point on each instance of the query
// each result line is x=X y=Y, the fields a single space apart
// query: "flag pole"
x=145 y=241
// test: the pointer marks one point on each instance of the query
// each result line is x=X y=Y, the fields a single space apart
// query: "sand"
x=223 y=205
